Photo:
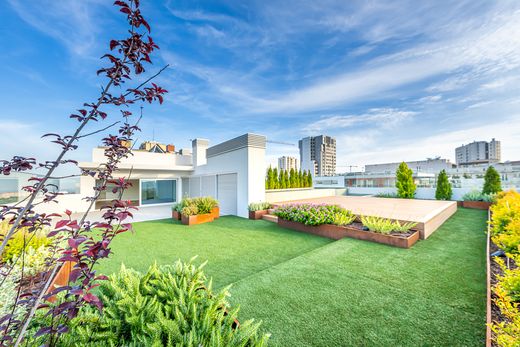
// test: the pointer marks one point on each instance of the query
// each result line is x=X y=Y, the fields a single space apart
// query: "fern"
x=167 y=306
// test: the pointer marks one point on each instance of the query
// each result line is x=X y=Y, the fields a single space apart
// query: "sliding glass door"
x=158 y=191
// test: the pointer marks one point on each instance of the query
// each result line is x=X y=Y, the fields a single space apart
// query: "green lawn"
x=309 y=291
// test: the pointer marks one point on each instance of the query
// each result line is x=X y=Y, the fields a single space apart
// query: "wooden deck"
x=428 y=214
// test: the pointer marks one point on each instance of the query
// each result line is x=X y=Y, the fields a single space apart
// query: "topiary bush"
x=492 y=184
x=404 y=182
x=443 y=190
x=167 y=306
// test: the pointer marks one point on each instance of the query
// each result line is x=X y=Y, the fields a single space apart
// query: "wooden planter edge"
x=257 y=214
x=338 y=232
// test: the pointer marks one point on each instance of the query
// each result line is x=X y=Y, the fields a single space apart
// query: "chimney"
x=199 y=147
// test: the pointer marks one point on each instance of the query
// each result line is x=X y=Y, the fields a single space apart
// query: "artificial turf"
x=309 y=291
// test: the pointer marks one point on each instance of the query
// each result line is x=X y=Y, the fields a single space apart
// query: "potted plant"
x=176 y=211
x=198 y=210
x=258 y=209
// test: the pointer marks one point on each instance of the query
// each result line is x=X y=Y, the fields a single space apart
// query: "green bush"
x=167 y=306
x=385 y=226
x=312 y=214
x=14 y=247
x=259 y=206
x=443 y=190
x=404 y=182
x=193 y=206
x=492 y=183
x=476 y=195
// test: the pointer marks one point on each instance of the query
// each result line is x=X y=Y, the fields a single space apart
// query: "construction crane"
x=349 y=167
x=281 y=143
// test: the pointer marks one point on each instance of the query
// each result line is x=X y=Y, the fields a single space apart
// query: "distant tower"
x=318 y=154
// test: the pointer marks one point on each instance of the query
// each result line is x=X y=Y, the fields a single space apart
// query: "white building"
x=428 y=165
x=478 y=152
x=288 y=163
x=232 y=172
x=318 y=154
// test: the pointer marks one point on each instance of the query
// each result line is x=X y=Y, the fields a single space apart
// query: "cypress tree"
x=309 y=179
x=268 y=178
x=286 y=179
x=292 y=179
x=492 y=184
x=276 y=182
x=404 y=182
x=443 y=190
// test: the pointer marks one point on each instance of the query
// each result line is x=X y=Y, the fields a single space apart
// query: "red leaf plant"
x=74 y=239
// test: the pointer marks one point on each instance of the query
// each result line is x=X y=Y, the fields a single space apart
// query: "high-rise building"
x=287 y=163
x=318 y=154
x=478 y=152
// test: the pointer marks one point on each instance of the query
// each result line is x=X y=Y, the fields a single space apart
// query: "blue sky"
x=392 y=81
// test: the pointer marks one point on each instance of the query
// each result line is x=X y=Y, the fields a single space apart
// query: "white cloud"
x=374 y=118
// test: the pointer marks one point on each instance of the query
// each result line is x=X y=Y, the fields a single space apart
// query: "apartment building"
x=428 y=165
x=288 y=163
x=478 y=152
x=318 y=154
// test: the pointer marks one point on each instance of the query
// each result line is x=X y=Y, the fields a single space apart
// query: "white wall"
x=421 y=193
x=280 y=195
x=146 y=158
x=249 y=165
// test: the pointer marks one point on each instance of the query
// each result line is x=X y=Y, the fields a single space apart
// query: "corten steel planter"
x=176 y=215
x=337 y=232
x=61 y=279
x=257 y=214
x=479 y=205
x=197 y=219
x=215 y=212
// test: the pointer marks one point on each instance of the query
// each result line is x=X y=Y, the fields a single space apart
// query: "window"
x=158 y=191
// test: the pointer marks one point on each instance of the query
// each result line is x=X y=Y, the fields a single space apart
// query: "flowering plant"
x=315 y=214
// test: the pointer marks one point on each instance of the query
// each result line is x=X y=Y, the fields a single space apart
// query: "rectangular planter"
x=337 y=232
x=176 y=215
x=257 y=214
x=197 y=219
x=479 y=205
x=215 y=212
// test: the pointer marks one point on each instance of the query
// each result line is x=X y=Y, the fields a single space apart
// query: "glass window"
x=158 y=191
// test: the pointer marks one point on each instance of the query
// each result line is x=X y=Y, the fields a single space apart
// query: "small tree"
x=268 y=178
x=404 y=182
x=286 y=179
x=276 y=181
x=292 y=179
x=300 y=179
x=443 y=191
x=309 y=179
x=492 y=183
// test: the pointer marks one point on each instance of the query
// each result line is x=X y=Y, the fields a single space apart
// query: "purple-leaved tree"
x=74 y=238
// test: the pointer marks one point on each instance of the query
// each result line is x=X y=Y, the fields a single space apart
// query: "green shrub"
x=259 y=206
x=343 y=217
x=492 y=183
x=385 y=226
x=505 y=211
x=167 y=306
x=443 y=190
x=313 y=214
x=190 y=210
x=193 y=206
x=35 y=261
x=507 y=332
x=14 y=247
x=476 y=195
x=404 y=182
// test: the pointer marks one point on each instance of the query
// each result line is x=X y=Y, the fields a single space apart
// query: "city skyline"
x=384 y=88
